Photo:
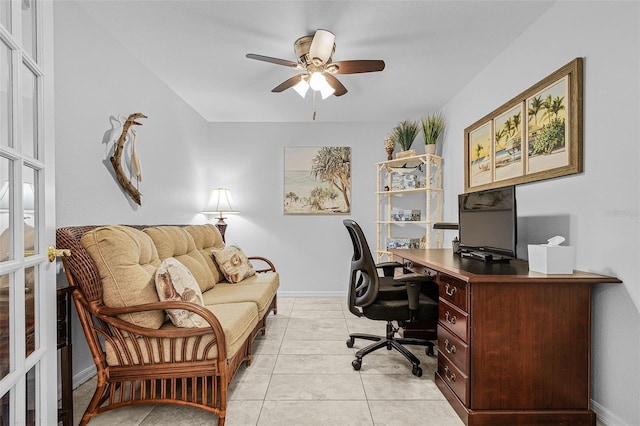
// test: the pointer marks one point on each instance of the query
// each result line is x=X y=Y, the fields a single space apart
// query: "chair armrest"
x=413 y=282
x=388 y=267
x=271 y=268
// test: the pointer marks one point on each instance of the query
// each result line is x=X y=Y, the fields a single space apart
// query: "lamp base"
x=222 y=227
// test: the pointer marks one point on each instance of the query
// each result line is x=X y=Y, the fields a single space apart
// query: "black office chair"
x=386 y=298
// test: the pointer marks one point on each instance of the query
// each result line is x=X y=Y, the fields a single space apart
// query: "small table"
x=65 y=413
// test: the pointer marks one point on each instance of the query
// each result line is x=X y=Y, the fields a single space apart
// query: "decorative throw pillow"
x=175 y=282
x=233 y=263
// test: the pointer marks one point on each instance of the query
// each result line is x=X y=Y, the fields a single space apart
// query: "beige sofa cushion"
x=233 y=263
x=174 y=241
x=175 y=282
x=127 y=261
x=259 y=289
x=238 y=320
x=207 y=237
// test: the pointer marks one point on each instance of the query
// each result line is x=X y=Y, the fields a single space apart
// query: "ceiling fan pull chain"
x=314 y=104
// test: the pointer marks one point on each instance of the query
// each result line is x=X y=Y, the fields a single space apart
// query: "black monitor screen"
x=487 y=222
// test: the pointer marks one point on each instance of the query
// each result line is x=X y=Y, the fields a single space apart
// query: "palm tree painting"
x=317 y=180
x=507 y=146
x=547 y=113
x=480 y=155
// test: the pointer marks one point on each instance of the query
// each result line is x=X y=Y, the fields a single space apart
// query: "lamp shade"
x=220 y=202
x=28 y=194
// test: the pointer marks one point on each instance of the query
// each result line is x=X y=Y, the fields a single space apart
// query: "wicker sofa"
x=140 y=356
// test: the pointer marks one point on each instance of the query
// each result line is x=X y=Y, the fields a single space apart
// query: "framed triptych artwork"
x=536 y=135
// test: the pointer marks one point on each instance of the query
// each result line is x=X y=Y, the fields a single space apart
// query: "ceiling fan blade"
x=290 y=82
x=269 y=59
x=322 y=45
x=337 y=86
x=358 y=66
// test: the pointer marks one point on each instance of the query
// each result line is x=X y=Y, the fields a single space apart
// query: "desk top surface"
x=472 y=270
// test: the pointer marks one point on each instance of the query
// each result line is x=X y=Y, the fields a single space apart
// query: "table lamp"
x=220 y=202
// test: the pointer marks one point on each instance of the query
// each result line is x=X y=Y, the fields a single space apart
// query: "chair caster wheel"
x=417 y=371
x=429 y=351
x=356 y=364
x=350 y=342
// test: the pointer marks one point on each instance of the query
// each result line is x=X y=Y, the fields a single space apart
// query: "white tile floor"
x=301 y=374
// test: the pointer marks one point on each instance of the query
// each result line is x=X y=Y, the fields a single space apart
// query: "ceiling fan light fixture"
x=326 y=91
x=322 y=46
x=301 y=87
x=317 y=81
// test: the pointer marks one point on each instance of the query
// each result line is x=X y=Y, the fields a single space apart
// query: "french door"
x=28 y=356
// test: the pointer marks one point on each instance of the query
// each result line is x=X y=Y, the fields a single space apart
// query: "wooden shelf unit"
x=428 y=197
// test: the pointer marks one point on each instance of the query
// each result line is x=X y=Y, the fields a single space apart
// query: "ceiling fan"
x=314 y=54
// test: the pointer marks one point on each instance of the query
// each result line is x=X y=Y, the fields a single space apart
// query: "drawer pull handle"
x=451 y=319
x=449 y=375
x=449 y=348
x=450 y=290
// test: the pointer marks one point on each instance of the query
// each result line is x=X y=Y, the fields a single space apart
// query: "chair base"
x=390 y=342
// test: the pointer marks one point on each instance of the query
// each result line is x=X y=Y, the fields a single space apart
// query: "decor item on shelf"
x=405 y=133
x=314 y=54
x=389 y=146
x=432 y=127
x=220 y=202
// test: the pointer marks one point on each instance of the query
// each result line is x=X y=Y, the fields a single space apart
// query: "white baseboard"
x=606 y=417
x=342 y=294
x=84 y=375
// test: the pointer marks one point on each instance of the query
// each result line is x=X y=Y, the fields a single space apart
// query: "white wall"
x=97 y=78
x=312 y=253
x=599 y=209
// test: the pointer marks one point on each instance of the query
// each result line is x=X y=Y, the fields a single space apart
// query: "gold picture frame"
x=536 y=135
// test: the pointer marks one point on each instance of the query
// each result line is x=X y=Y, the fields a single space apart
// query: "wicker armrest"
x=271 y=268
x=110 y=316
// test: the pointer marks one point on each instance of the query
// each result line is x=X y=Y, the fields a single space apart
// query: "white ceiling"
x=431 y=50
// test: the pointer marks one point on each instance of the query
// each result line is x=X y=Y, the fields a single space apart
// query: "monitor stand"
x=484 y=257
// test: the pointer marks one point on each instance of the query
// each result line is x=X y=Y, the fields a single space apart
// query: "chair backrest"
x=363 y=280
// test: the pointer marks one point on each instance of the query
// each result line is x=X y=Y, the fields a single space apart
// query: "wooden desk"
x=513 y=345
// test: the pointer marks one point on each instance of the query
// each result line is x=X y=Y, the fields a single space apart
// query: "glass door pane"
x=5 y=94
x=31 y=399
x=29 y=210
x=29 y=38
x=6 y=248
x=5 y=14
x=29 y=111
x=5 y=328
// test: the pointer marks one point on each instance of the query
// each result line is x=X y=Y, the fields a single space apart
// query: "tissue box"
x=402 y=243
x=551 y=259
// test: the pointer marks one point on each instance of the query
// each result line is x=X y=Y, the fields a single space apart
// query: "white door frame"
x=43 y=360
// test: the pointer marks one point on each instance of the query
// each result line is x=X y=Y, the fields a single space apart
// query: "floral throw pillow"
x=233 y=263
x=175 y=282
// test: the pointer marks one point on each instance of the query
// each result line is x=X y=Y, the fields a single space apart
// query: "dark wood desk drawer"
x=419 y=269
x=456 y=379
x=454 y=349
x=453 y=290
x=454 y=319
